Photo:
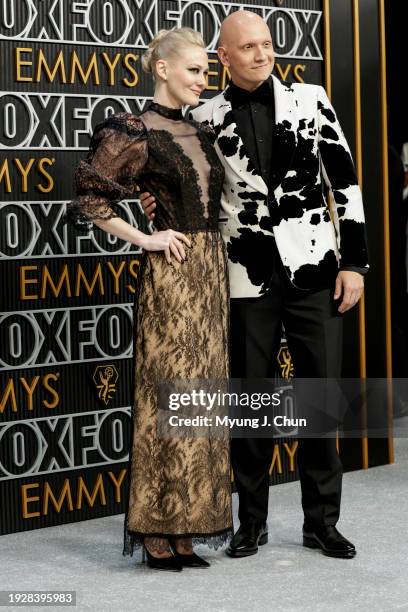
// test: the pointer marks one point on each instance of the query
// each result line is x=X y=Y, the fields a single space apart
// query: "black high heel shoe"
x=164 y=563
x=191 y=560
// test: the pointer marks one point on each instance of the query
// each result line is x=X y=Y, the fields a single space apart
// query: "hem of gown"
x=134 y=540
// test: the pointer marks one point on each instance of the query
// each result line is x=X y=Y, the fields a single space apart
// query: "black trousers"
x=313 y=330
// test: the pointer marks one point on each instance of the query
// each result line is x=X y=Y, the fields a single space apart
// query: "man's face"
x=248 y=53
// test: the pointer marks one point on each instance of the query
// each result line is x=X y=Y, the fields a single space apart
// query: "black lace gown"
x=177 y=486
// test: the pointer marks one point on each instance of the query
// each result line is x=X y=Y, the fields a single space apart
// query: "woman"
x=180 y=488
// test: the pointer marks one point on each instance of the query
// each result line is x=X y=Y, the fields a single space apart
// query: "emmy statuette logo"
x=285 y=362
x=105 y=378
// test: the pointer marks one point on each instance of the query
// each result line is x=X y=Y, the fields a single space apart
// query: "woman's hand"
x=168 y=241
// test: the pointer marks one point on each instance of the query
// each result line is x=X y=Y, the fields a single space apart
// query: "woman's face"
x=185 y=75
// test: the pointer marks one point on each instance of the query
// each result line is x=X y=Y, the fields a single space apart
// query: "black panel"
x=342 y=79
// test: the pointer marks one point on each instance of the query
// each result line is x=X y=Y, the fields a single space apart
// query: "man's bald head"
x=246 y=49
x=236 y=20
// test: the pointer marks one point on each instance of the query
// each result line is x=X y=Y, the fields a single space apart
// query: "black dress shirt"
x=254 y=114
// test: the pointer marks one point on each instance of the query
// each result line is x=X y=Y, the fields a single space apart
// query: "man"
x=289 y=260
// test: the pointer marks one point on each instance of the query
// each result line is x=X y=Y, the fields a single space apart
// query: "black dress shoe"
x=161 y=563
x=247 y=539
x=329 y=540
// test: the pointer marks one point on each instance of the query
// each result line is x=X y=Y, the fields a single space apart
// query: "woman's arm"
x=117 y=154
x=169 y=241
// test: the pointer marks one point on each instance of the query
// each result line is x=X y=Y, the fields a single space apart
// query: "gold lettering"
x=116 y=275
x=117 y=483
x=91 y=68
x=48 y=494
x=212 y=73
x=29 y=500
x=134 y=263
x=89 y=288
x=291 y=452
x=24 y=172
x=20 y=63
x=47 y=280
x=82 y=488
x=45 y=160
x=58 y=66
x=74 y=282
x=27 y=281
x=276 y=458
x=297 y=68
x=29 y=389
x=132 y=70
x=4 y=171
x=53 y=392
x=9 y=392
x=283 y=73
x=225 y=73
x=111 y=66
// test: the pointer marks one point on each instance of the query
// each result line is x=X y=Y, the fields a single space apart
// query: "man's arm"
x=148 y=203
x=340 y=176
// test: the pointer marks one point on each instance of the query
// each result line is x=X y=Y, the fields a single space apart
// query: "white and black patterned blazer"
x=309 y=151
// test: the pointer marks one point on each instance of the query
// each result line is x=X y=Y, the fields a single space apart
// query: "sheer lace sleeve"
x=117 y=154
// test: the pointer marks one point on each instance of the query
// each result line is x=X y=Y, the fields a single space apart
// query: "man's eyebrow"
x=254 y=42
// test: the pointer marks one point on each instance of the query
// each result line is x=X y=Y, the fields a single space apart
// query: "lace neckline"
x=165 y=111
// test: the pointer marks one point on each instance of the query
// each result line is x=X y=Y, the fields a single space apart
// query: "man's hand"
x=351 y=285
x=149 y=204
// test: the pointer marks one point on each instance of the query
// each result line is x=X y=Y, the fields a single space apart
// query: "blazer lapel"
x=231 y=147
x=284 y=140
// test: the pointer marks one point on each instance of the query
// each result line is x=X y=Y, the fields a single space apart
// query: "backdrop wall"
x=66 y=338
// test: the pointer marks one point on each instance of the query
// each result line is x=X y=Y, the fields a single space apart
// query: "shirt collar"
x=239 y=97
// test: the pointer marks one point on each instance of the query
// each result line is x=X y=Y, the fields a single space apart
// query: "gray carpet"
x=283 y=576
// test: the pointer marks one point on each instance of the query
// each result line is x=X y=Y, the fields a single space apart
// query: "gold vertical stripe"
x=328 y=87
x=359 y=169
x=357 y=91
x=387 y=276
x=327 y=52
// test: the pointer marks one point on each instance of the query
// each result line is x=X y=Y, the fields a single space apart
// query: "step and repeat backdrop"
x=66 y=320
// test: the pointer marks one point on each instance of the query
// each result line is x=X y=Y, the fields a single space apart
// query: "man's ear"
x=223 y=56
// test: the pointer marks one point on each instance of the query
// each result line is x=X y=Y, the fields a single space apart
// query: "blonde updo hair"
x=167 y=43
